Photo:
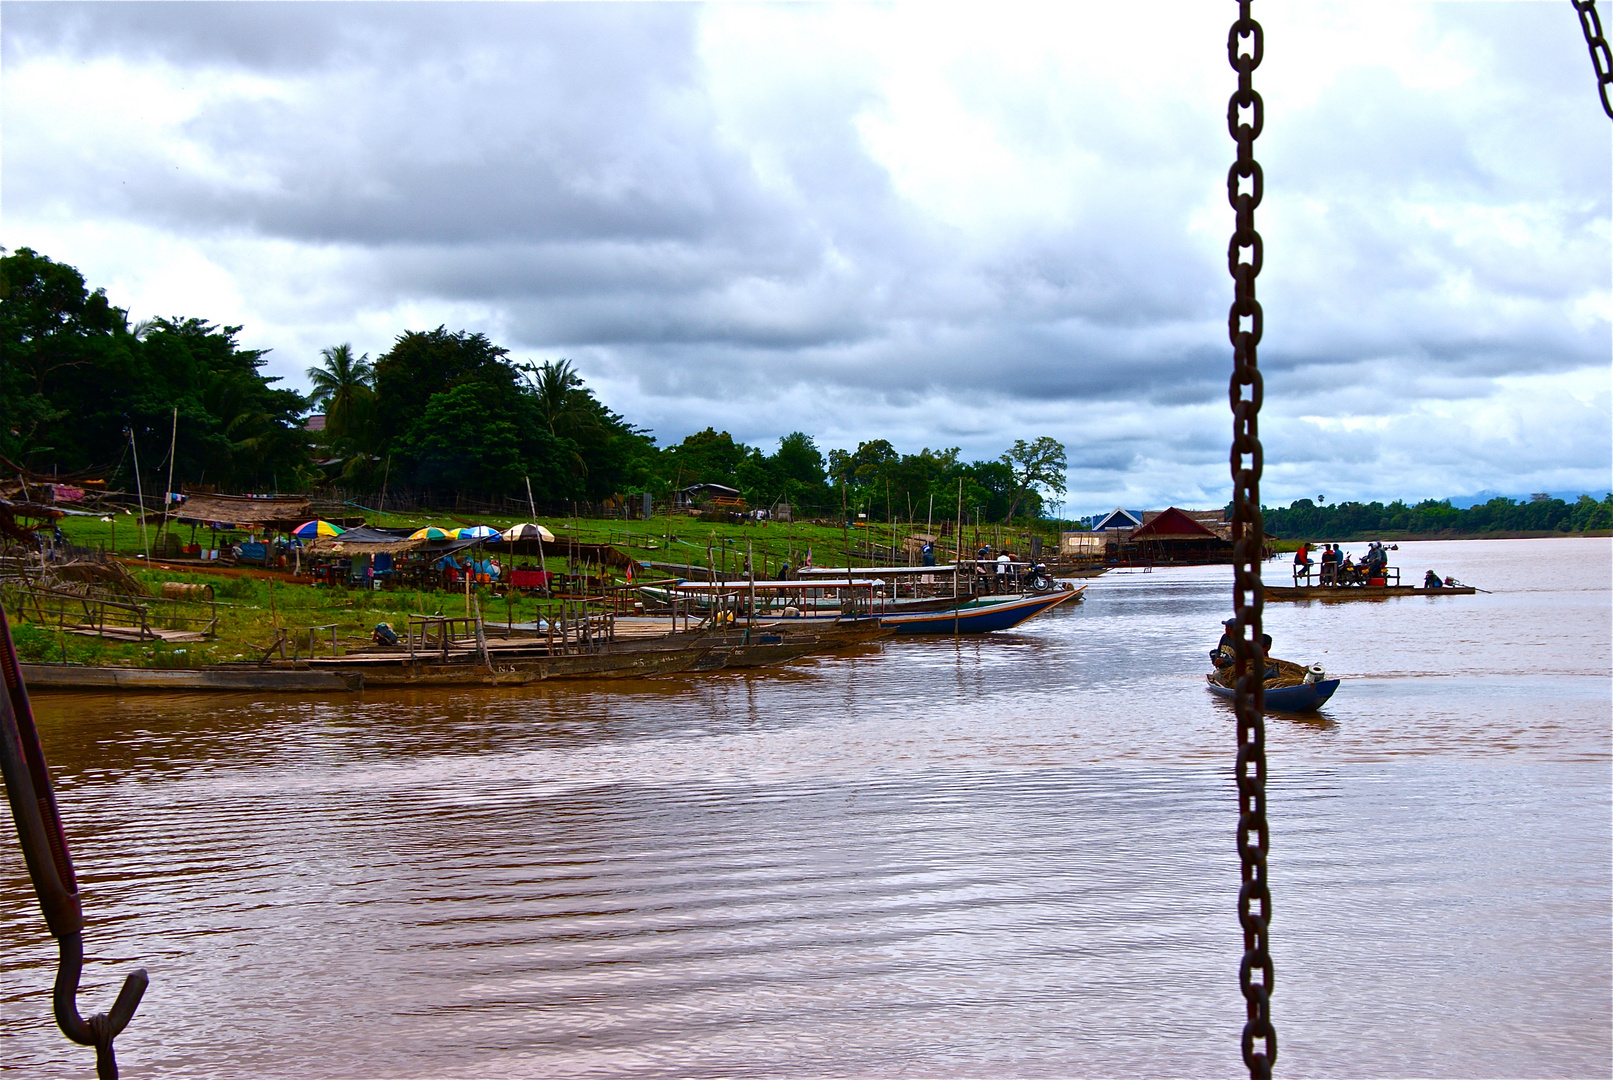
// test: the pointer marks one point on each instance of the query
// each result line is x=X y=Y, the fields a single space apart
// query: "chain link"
x=1244 y=191
x=1601 y=57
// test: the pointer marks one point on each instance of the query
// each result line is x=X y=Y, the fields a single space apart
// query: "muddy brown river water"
x=1004 y=856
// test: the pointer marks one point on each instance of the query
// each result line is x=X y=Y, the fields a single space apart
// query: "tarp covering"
x=246 y=510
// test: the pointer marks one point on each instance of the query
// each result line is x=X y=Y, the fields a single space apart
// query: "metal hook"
x=99 y=1030
x=50 y=867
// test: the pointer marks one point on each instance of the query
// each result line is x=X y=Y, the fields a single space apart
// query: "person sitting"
x=383 y=634
x=1303 y=563
x=1431 y=581
x=1224 y=655
x=1377 y=558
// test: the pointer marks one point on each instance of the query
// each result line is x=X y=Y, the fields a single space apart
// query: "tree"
x=560 y=395
x=798 y=459
x=422 y=364
x=1040 y=464
x=344 y=387
x=58 y=340
x=707 y=457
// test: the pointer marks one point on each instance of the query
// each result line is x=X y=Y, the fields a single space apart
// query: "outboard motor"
x=1315 y=674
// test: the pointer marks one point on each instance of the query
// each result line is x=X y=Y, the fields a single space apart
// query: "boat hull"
x=1307 y=697
x=984 y=619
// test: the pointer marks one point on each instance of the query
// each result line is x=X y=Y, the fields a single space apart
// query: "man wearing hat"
x=1225 y=654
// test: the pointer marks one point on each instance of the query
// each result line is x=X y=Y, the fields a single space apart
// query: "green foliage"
x=1307 y=520
x=469 y=436
x=74 y=378
x=344 y=386
x=1040 y=464
x=706 y=457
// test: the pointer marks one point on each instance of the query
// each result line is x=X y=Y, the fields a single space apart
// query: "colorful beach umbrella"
x=528 y=531
x=430 y=532
x=313 y=530
x=476 y=532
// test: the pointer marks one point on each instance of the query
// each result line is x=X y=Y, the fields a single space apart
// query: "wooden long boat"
x=466 y=669
x=1289 y=692
x=979 y=617
x=228 y=679
x=1360 y=592
x=768 y=648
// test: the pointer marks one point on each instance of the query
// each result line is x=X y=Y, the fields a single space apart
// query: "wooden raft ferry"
x=1360 y=592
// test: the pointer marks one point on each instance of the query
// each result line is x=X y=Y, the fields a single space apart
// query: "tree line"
x=83 y=390
x=1312 y=520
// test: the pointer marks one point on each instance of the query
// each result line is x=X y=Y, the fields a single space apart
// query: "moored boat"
x=979 y=616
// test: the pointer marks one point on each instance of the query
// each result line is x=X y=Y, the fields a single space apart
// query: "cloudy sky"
x=944 y=226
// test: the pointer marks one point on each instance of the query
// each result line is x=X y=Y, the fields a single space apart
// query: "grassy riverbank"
x=252 y=605
x=680 y=539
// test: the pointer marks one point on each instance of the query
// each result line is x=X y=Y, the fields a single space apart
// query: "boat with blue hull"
x=981 y=616
x=1295 y=689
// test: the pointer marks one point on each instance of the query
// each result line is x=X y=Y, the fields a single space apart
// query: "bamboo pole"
x=173 y=441
x=140 y=495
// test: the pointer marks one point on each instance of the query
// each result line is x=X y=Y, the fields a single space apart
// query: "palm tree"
x=344 y=387
x=556 y=385
x=562 y=402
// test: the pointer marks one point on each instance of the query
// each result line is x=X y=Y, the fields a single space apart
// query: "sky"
x=938 y=225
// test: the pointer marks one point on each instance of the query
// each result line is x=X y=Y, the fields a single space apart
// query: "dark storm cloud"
x=578 y=175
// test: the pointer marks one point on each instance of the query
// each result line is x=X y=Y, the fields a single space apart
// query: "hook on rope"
x=50 y=867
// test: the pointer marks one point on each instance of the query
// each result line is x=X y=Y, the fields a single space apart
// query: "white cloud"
x=939 y=225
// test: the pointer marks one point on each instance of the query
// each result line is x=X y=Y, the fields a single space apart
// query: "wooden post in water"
x=750 y=569
x=957 y=559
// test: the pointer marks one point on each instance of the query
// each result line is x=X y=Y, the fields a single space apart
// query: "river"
x=1000 y=856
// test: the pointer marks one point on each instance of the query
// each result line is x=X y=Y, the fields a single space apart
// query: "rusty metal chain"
x=1248 y=535
x=1601 y=57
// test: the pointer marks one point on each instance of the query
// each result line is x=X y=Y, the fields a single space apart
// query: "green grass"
x=679 y=539
x=250 y=609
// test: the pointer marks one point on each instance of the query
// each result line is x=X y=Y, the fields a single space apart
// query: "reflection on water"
x=1002 y=856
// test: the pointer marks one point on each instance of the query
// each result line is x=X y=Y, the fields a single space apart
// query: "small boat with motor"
x=1292 y=688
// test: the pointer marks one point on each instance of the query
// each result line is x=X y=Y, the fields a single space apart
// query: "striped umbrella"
x=430 y=532
x=528 y=531
x=313 y=530
x=476 y=532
